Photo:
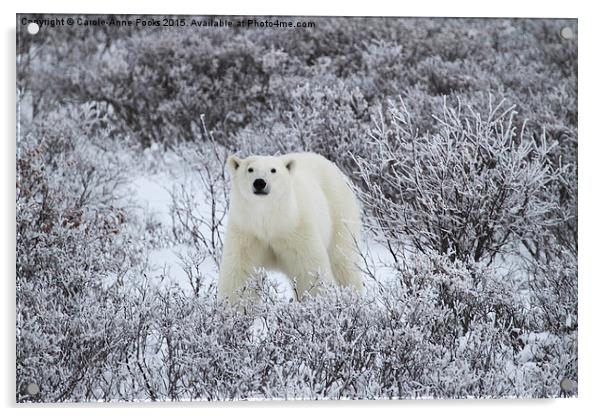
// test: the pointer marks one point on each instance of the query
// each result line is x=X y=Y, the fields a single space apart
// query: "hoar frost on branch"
x=467 y=191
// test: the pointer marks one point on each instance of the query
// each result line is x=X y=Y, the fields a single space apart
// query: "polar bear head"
x=261 y=177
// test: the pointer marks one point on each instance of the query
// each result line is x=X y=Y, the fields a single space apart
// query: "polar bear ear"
x=233 y=163
x=290 y=165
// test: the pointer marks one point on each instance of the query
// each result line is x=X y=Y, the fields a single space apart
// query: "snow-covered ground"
x=151 y=192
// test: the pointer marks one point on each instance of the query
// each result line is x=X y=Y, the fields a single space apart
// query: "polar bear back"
x=342 y=203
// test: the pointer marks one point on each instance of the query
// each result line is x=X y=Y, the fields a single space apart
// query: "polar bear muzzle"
x=260 y=187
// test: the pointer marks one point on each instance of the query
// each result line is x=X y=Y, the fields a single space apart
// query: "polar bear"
x=294 y=213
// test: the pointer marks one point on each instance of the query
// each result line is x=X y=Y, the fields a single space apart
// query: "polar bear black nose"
x=259 y=184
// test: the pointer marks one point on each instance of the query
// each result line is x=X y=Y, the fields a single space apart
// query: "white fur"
x=305 y=226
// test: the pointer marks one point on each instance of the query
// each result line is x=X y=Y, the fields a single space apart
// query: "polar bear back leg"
x=345 y=213
x=345 y=221
x=346 y=227
x=343 y=255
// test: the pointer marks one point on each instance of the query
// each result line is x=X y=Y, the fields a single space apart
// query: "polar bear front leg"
x=306 y=262
x=242 y=254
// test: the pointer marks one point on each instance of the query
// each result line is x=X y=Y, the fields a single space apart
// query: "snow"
x=152 y=195
x=151 y=192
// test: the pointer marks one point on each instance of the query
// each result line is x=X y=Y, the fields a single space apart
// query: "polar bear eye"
x=250 y=170
x=273 y=170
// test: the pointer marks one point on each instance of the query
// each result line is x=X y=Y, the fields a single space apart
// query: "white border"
x=458 y=8
x=589 y=200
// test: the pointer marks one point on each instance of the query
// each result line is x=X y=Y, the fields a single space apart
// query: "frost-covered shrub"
x=156 y=83
x=468 y=293
x=199 y=210
x=156 y=86
x=328 y=118
x=399 y=340
x=466 y=191
x=69 y=247
x=553 y=294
